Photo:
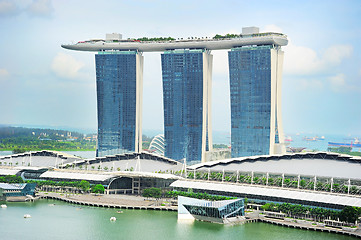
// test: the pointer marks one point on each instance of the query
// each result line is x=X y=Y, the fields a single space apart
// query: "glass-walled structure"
x=119 y=77
x=212 y=211
x=186 y=98
x=255 y=89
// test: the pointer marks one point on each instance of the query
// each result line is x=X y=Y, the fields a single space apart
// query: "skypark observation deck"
x=258 y=39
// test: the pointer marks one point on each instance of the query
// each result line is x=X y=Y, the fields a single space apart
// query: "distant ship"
x=314 y=138
x=310 y=138
x=356 y=144
x=288 y=139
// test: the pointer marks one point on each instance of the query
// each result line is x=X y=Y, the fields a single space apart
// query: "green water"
x=66 y=221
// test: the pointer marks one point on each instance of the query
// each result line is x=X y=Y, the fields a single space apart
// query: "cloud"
x=40 y=8
x=272 y=28
x=307 y=84
x=65 y=66
x=4 y=74
x=8 y=8
x=338 y=83
x=338 y=80
x=301 y=60
x=335 y=54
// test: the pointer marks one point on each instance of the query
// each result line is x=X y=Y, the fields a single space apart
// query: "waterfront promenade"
x=141 y=203
x=111 y=201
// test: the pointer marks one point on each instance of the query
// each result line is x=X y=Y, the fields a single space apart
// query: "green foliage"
x=152 y=192
x=156 y=39
x=84 y=185
x=19 y=150
x=174 y=194
x=220 y=146
x=348 y=214
x=344 y=150
x=21 y=140
x=228 y=35
x=98 y=188
x=11 y=179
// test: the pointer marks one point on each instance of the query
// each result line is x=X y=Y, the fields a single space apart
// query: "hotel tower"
x=255 y=71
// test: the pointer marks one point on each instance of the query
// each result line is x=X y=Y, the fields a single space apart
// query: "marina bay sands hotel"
x=255 y=73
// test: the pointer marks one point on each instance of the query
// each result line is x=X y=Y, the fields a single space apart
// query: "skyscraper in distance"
x=119 y=76
x=187 y=103
x=255 y=73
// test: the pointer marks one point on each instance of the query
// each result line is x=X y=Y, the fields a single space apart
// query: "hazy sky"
x=43 y=84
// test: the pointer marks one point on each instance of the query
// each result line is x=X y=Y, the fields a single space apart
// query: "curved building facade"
x=157 y=145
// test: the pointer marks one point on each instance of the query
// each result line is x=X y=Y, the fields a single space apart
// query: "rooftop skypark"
x=248 y=37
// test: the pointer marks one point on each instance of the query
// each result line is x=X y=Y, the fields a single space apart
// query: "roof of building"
x=144 y=161
x=44 y=158
x=208 y=203
x=102 y=176
x=309 y=196
x=309 y=164
x=159 y=46
x=40 y=153
x=76 y=176
x=146 y=175
x=12 y=186
x=6 y=171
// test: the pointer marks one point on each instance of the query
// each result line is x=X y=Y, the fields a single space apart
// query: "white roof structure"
x=159 y=46
x=145 y=175
x=291 y=194
x=76 y=176
x=12 y=186
x=44 y=158
x=141 y=162
x=309 y=164
x=5 y=171
x=158 y=145
x=103 y=176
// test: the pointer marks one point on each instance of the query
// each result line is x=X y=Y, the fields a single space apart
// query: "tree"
x=152 y=192
x=349 y=214
x=84 y=185
x=19 y=150
x=98 y=188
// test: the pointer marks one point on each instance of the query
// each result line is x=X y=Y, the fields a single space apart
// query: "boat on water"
x=3 y=206
x=288 y=139
x=356 y=144
x=310 y=138
x=316 y=138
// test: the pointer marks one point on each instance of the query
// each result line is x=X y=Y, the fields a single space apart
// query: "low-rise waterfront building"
x=14 y=190
x=211 y=211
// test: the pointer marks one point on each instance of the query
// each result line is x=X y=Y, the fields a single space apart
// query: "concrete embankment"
x=109 y=201
x=307 y=226
x=137 y=202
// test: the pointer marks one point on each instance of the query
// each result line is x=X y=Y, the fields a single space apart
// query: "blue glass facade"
x=183 y=85
x=116 y=75
x=250 y=91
